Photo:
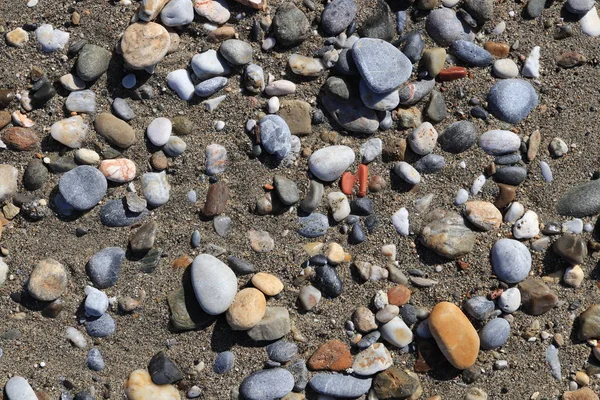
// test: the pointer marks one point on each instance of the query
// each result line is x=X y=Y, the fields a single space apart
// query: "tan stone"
x=144 y=44
x=399 y=295
x=17 y=37
x=114 y=130
x=581 y=394
x=306 y=66
x=149 y=9
x=139 y=386
x=296 y=114
x=221 y=33
x=267 y=283
x=118 y=170
x=335 y=253
x=5 y=118
x=483 y=215
x=248 y=308
x=333 y=355
x=454 y=334
x=48 y=280
x=364 y=320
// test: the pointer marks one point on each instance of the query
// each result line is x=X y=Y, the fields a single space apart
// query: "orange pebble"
x=451 y=74
x=363 y=180
x=347 y=182
x=268 y=186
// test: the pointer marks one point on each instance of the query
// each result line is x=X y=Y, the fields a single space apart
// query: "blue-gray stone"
x=275 y=135
x=413 y=92
x=400 y=21
x=580 y=6
x=104 y=266
x=115 y=213
x=195 y=239
x=494 y=334
x=282 y=351
x=368 y=340
x=377 y=21
x=269 y=384
x=511 y=100
x=580 y=201
x=444 y=27
x=156 y=188
x=240 y=266
x=298 y=369
x=177 y=13
x=479 y=307
x=408 y=312
x=100 y=326
x=497 y=142
x=224 y=362
x=471 y=54
x=95 y=362
x=357 y=235
x=337 y=15
x=511 y=260
x=338 y=385
x=511 y=175
x=236 y=52
x=546 y=171
x=361 y=206
x=83 y=187
x=345 y=64
x=328 y=281
x=458 y=137
x=534 y=8
x=382 y=74
x=378 y=101
x=352 y=115
x=313 y=225
x=478 y=112
x=507 y=159
x=211 y=86
x=430 y=164
x=553 y=362
x=413 y=46
x=122 y=109
x=174 y=147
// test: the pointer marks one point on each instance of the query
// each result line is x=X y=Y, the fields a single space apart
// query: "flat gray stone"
x=381 y=74
x=511 y=260
x=338 y=385
x=83 y=187
x=268 y=384
x=352 y=114
x=580 y=201
x=214 y=283
x=511 y=100
x=103 y=267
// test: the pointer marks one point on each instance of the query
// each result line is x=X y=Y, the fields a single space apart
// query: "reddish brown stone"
x=347 y=183
x=221 y=33
x=20 y=139
x=506 y=195
x=182 y=262
x=333 y=355
x=216 y=199
x=4 y=118
x=497 y=49
x=398 y=295
x=363 y=180
x=451 y=74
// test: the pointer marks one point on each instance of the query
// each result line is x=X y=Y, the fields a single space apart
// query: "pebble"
x=92 y=62
x=337 y=15
x=309 y=297
x=282 y=351
x=413 y=92
x=181 y=83
x=159 y=131
x=423 y=139
x=75 y=337
x=155 y=188
x=216 y=199
x=511 y=100
x=376 y=70
x=352 y=115
x=401 y=222
x=139 y=386
x=370 y=150
x=83 y=187
x=436 y=108
x=99 y=327
x=51 y=39
x=236 y=52
x=254 y=78
x=313 y=225
x=573 y=226
x=510 y=300
x=332 y=355
x=396 y=332
x=444 y=27
x=535 y=8
x=247 y=310
x=581 y=200
x=222 y=225
x=527 y=227
x=114 y=130
x=144 y=44
x=214 y=283
x=590 y=23
x=118 y=170
x=18 y=388
x=306 y=66
x=83 y=101
x=483 y=215
x=269 y=384
x=329 y=163
x=269 y=284
x=494 y=334
x=96 y=302
x=458 y=137
x=470 y=53
x=511 y=175
x=71 y=131
x=511 y=260
x=177 y=13
x=558 y=147
x=339 y=385
x=48 y=280
x=224 y=362
x=407 y=173
x=95 y=362
x=286 y=190
x=536 y=297
x=573 y=276
x=122 y=109
x=571 y=248
x=447 y=235
x=454 y=334
x=275 y=135
x=378 y=101
x=290 y=25
x=479 y=307
x=17 y=37
x=372 y=360
x=505 y=69
x=104 y=266
x=498 y=142
x=515 y=211
x=274 y=325
x=19 y=139
x=531 y=68
x=313 y=196
x=546 y=171
x=280 y=87
x=589 y=326
x=174 y=147
x=328 y=281
x=209 y=64
x=115 y=213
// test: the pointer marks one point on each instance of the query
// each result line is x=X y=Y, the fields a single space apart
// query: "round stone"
x=83 y=187
x=329 y=163
x=275 y=135
x=337 y=15
x=290 y=25
x=470 y=53
x=494 y=334
x=104 y=266
x=92 y=62
x=144 y=44
x=407 y=173
x=99 y=327
x=156 y=188
x=17 y=387
x=423 y=139
x=505 y=68
x=159 y=131
x=396 y=332
x=118 y=170
x=214 y=283
x=208 y=64
x=174 y=147
x=483 y=215
x=510 y=300
x=177 y=13
x=444 y=27
x=48 y=280
x=216 y=159
x=269 y=284
x=96 y=302
x=381 y=74
x=181 y=83
x=511 y=260
x=511 y=100
x=458 y=137
x=224 y=362
x=71 y=131
x=268 y=384
x=236 y=52
x=248 y=308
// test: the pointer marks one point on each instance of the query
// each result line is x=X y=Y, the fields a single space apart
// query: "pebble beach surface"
x=235 y=199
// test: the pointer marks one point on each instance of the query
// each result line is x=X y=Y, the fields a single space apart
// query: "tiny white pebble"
x=219 y=125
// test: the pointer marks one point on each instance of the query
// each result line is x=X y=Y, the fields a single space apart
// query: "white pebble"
x=76 y=337
x=531 y=69
x=477 y=184
x=219 y=125
x=515 y=211
x=212 y=104
x=250 y=124
x=590 y=23
x=461 y=197
x=527 y=227
x=499 y=29
x=273 y=105
x=546 y=171
x=588 y=227
x=268 y=43
x=400 y=222
x=573 y=226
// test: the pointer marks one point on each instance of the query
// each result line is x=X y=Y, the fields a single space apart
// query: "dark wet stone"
x=328 y=281
x=162 y=370
x=116 y=214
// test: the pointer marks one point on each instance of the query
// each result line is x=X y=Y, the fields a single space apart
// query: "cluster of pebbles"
x=374 y=84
